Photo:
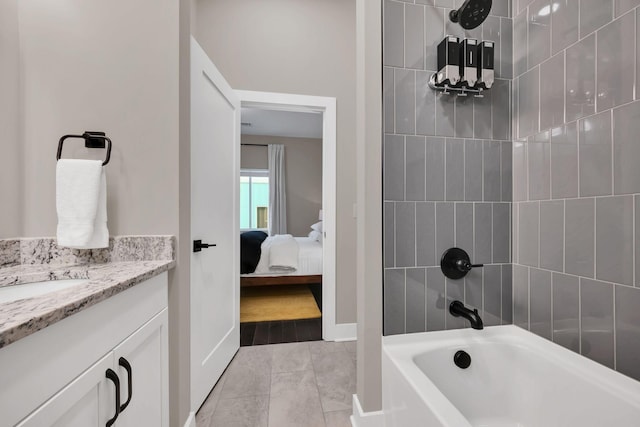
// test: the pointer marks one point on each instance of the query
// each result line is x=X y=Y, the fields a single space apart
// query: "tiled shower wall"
x=577 y=176
x=447 y=173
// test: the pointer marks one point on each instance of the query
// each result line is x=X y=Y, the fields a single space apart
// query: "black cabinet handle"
x=198 y=245
x=126 y=365
x=110 y=374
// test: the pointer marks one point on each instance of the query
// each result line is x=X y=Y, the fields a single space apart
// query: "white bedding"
x=309 y=261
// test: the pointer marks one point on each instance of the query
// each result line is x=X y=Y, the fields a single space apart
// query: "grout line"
x=615 y=332
x=580 y=316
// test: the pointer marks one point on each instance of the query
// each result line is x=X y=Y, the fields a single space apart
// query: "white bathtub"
x=516 y=379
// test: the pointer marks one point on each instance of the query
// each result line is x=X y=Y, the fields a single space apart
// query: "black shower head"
x=471 y=14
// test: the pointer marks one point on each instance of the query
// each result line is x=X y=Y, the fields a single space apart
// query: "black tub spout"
x=457 y=309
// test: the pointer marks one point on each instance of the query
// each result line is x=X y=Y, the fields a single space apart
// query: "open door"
x=215 y=181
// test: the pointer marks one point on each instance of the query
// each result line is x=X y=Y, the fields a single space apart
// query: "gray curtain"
x=277 y=191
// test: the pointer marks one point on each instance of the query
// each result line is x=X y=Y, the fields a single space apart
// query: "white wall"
x=303 y=172
x=302 y=47
x=10 y=148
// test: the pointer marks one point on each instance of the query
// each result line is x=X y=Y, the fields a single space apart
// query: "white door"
x=88 y=401
x=215 y=184
x=141 y=362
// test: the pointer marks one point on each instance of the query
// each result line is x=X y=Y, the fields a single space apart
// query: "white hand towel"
x=81 y=202
x=284 y=253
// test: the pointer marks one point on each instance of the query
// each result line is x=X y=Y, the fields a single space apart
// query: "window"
x=254 y=199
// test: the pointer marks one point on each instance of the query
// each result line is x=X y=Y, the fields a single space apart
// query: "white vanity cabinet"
x=72 y=367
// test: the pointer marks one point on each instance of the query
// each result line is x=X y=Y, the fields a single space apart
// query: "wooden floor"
x=280 y=331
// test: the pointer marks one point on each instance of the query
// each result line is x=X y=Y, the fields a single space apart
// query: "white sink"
x=35 y=289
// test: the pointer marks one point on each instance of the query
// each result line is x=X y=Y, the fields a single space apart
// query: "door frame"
x=326 y=106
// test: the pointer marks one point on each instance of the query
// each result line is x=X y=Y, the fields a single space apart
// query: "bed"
x=309 y=269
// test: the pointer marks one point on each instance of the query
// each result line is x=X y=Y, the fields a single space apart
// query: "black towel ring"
x=91 y=140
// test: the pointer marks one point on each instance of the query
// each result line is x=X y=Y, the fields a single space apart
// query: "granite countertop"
x=108 y=271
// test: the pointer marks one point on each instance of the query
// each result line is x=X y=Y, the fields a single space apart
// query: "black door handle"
x=110 y=374
x=126 y=365
x=198 y=245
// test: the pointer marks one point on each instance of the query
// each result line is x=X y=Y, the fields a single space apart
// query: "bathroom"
x=533 y=177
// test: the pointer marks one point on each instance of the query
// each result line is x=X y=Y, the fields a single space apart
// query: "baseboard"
x=365 y=419
x=344 y=332
x=191 y=421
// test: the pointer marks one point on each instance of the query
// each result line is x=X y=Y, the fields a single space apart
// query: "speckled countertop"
x=129 y=260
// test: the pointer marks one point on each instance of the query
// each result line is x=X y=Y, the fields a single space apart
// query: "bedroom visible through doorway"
x=283 y=219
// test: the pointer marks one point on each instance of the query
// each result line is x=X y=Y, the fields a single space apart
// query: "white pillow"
x=315 y=235
x=317 y=227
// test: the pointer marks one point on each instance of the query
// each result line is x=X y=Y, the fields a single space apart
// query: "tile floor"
x=306 y=384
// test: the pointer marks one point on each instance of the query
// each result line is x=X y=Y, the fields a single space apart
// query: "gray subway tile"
x=482 y=111
x=414 y=47
x=614 y=239
x=552 y=92
x=389 y=231
x=515 y=234
x=528 y=234
x=540 y=304
x=500 y=8
x=445 y=112
x=539 y=22
x=405 y=90
x=473 y=170
x=415 y=300
x=394 y=297
x=566 y=311
x=623 y=6
x=405 y=234
x=501 y=110
x=434 y=18
x=616 y=57
x=474 y=289
x=425 y=105
x=626 y=150
x=521 y=296
x=464 y=227
x=491 y=32
x=528 y=103
x=507 y=294
x=520 y=29
x=492 y=295
x=464 y=116
x=552 y=235
x=454 y=169
x=578 y=237
x=594 y=14
x=393 y=167
x=445 y=238
x=506 y=48
x=522 y=4
x=539 y=159
x=637 y=239
x=393 y=45
x=627 y=331
x=483 y=233
x=436 y=307
x=454 y=292
x=594 y=136
x=388 y=89
x=491 y=171
x=426 y=234
x=520 y=166
x=435 y=168
x=415 y=168
x=501 y=232
x=564 y=24
x=580 y=87
x=596 y=318
x=506 y=160
x=564 y=162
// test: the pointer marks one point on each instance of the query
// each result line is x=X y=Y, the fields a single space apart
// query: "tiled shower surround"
x=576 y=177
x=447 y=173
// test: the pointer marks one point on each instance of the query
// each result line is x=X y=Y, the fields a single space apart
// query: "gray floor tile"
x=203 y=417
x=336 y=376
x=338 y=418
x=350 y=346
x=320 y=347
x=249 y=373
x=295 y=400
x=291 y=357
x=250 y=411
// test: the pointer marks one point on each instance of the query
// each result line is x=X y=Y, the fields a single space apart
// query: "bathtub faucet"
x=457 y=309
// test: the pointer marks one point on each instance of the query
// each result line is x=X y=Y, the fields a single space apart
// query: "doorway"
x=321 y=286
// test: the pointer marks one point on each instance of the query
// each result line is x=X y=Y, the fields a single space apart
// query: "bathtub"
x=516 y=379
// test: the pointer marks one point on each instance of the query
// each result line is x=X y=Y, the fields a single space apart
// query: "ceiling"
x=281 y=123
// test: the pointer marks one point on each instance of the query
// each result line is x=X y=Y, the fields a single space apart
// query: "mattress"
x=309 y=261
